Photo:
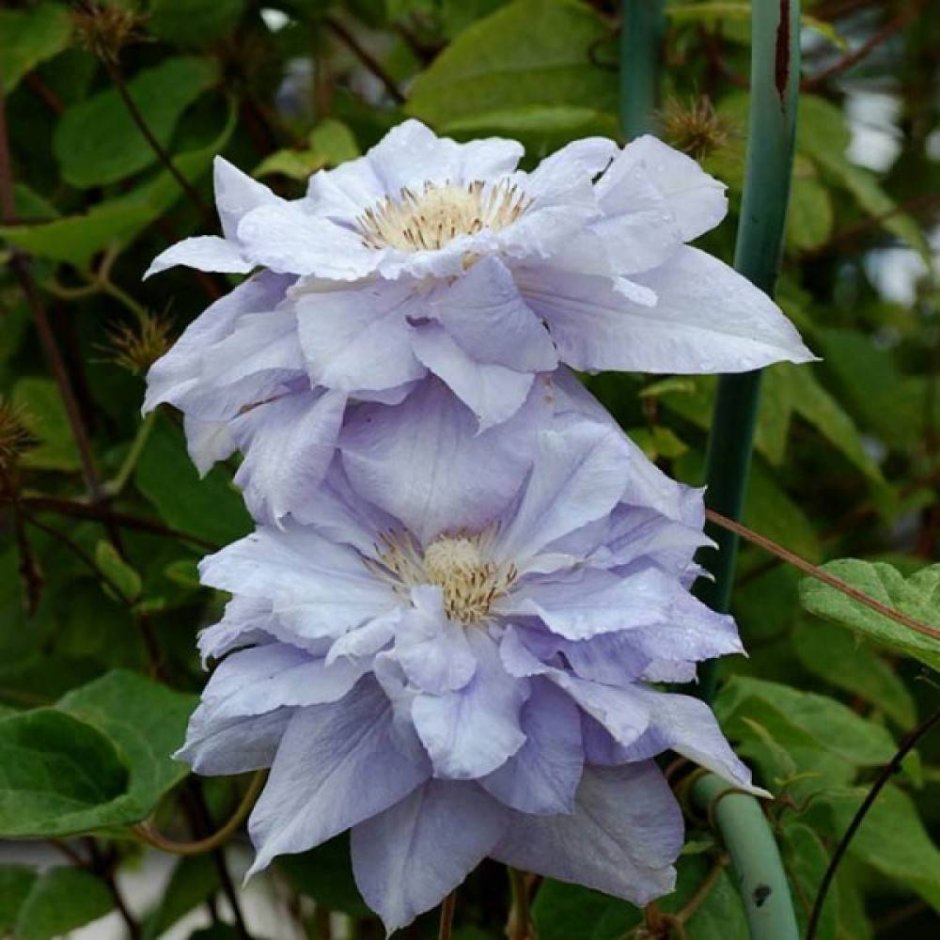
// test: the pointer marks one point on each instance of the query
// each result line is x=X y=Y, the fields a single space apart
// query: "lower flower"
x=457 y=657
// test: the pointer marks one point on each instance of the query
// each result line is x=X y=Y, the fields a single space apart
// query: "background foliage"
x=104 y=517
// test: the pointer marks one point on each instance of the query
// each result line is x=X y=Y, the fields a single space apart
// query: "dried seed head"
x=15 y=435
x=695 y=128
x=104 y=29
x=137 y=347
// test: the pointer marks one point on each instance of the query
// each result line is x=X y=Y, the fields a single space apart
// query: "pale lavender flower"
x=427 y=255
x=456 y=657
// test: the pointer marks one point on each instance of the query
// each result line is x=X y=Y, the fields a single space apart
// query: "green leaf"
x=824 y=136
x=892 y=839
x=118 y=571
x=147 y=723
x=97 y=142
x=917 y=596
x=839 y=658
x=15 y=883
x=810 y=216
x=55 y=772
x=806 y=861
x=193 y=22
x=28 y=37
x=63 y=899
x=740 y=11
x=531 y=52
x=325 y=874
x=194 y=879
x=76 y=239
x=330 y=143
x=818 y=732
x=45 y=417
x=770 y=511
x=210 y=507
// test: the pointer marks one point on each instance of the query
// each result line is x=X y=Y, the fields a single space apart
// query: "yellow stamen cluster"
x=457 y=564
x=429 y=219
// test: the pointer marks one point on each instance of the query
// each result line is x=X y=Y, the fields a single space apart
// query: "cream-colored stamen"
x=457 y=564
x=430 y=218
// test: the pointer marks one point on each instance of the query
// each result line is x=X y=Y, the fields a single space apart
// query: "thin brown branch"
x=448 y=906
x=852 y=58
x=19 y=265
x=884 y=777
x=148 y=834
x=365 y=57
x=103 y=514
x=815 y=572
x=117 y=78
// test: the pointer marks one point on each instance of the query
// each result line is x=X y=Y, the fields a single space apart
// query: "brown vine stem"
x=864 y=50
x=19 y=265
x=365 y=57
x=117 y=78
x=146 y=833
x=887 y=772
x=814 y=572
x=448 y=906
x=519 y=925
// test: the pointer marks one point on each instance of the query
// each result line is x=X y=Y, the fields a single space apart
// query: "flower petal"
x=408 y=858
x=433 y=651
x=484 y=314
x=697 y=200
x=358 y=338
x=471 y=732
x=708 y=318
x=578 y=476
x=543 y=776
x=288 y=445
x=220 y=748
x=622 y=838
x=492 y=392
x=423 y=462
x=236 y=194
x=203 y=252
x=323 y=779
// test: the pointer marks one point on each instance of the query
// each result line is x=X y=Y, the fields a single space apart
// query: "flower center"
x=457 y=565
x=440 y=212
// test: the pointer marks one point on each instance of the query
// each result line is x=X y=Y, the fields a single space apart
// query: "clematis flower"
x=428 y=255
x=456 y=672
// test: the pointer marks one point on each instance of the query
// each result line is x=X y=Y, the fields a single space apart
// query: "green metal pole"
x=754 y=855
x=775 y=86
x=641 y=43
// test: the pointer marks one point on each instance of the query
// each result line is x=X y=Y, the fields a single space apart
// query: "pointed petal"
x=579 y=475
x=236 y=193
x=688 y=726
x=696 y=200
x=203 y=252
x=323 y=779
x=409 y=858
x=622 y=838
x=234 y=746
x=708 y=318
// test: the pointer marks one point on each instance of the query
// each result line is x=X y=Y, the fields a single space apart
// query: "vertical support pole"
x=641 y=44
x=775 y=86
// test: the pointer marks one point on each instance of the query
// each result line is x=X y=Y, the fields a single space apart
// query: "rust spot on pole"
x=782 y=63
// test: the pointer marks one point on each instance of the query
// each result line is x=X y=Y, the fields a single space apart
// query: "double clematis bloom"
x=431 y=257
x=456 y=678
x=449 y=631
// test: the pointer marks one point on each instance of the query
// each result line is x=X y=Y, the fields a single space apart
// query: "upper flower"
x=431 y=255
x=405 y=661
